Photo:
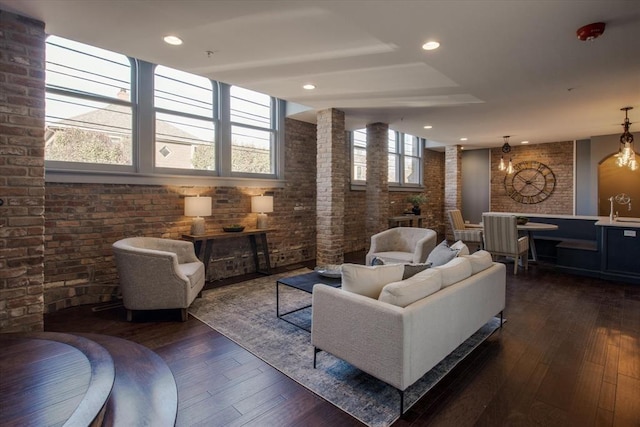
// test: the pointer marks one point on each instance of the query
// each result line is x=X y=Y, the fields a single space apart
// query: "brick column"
x=330 y=193
x=377 y=196
x=22 y=63
x=452 y=184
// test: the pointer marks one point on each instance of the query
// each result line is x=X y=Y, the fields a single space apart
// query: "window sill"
x=83 y=177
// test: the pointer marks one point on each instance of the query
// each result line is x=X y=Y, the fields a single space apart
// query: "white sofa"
x=397 y=344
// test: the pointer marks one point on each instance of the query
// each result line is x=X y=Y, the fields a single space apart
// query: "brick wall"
x=83 y=221
x=21 y=172
x=558 y=156
x=434 y=183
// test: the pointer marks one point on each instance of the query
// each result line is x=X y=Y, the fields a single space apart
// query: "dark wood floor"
x=568 y=355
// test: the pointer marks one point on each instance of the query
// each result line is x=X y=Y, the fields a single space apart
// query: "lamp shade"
x=262 y=204
x=197 y=206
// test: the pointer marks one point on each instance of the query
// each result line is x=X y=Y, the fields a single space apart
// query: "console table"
x=203 y=244
x=407 y=221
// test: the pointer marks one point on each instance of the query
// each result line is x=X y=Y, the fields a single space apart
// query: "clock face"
x=531 y=182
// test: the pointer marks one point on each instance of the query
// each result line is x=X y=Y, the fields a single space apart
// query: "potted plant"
x=416 y=200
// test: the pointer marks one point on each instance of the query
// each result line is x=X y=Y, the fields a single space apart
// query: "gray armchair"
x=158 y=274
x=402 y=245
x=501 y=238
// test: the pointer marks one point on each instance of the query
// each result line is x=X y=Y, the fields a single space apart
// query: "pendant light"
x=626 y=154
x=506 y=149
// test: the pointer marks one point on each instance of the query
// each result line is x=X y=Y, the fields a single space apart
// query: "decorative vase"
x=416 y=210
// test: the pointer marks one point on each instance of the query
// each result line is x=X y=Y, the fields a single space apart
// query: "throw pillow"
x=454 y=271
x=377 y=261
x=441 y=254
x=480 y=260
x=369 y=280
x=406 y=292
x=412 y=269
x=461 y=248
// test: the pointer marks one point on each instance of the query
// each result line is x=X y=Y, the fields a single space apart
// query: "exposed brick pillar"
x=377 y=197
x=22 y=57
x=452 y=184
x=330 y=197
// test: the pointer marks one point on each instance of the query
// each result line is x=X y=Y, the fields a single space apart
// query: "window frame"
x=88 y=96
x=352 y=138
x=143 y=170
x=401 y=185
x=215 y=119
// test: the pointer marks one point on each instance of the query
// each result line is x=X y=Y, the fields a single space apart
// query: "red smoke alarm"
x=591 y=31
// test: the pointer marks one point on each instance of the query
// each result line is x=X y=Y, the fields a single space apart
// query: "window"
x=359 y=150
x=89 y=113
x=108 y=113
x=184 y=121
x=412 y=160
x=404 y=154
x=394 y=158
x=252 y=131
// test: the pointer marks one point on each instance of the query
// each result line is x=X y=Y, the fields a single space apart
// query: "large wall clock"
x=531 y=182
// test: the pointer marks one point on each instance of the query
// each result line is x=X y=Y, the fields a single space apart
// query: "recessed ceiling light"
x=524 y=142
x=309 y=86
x=428 y=127
x=463 y=139
x=431 y=45
x=173 y=40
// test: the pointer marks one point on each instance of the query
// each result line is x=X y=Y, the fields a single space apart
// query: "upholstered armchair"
x=471 y=235
x=501 y=239
x=158 y=274
x=402 y=245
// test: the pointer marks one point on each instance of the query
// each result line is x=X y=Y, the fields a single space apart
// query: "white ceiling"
x=504 y=67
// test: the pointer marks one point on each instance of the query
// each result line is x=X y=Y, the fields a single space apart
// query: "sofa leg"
x=129 y=315
x=184 y=314
x=316 y=350
x=501 y=314
x=401 y=402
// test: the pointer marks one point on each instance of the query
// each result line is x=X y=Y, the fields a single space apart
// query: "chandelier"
x=626 y=155
x=506 y=148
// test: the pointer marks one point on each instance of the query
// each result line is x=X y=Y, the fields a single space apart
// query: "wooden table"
x=203 y=244
x=530 y=228
x=407 y=220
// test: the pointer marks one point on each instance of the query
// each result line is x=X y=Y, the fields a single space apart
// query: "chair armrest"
x=182 y=248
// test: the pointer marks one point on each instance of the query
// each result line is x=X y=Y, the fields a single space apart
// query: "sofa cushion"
x=480 y=260
x=369 y=280
x=460 y=247
x=454 y=271
x=395 y=257
x=408 y=291
x=411 y=269
x=441 y=254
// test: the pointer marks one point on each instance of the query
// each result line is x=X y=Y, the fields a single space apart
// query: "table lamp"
x=197 y=207
x=262 y=205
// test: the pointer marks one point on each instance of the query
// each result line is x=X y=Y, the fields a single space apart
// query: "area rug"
x=246 y=313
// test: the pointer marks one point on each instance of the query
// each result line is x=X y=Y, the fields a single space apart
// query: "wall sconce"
x=197 y=207
x=262 y=205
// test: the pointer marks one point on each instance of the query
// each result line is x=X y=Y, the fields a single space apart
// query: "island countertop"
x=621 y=222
